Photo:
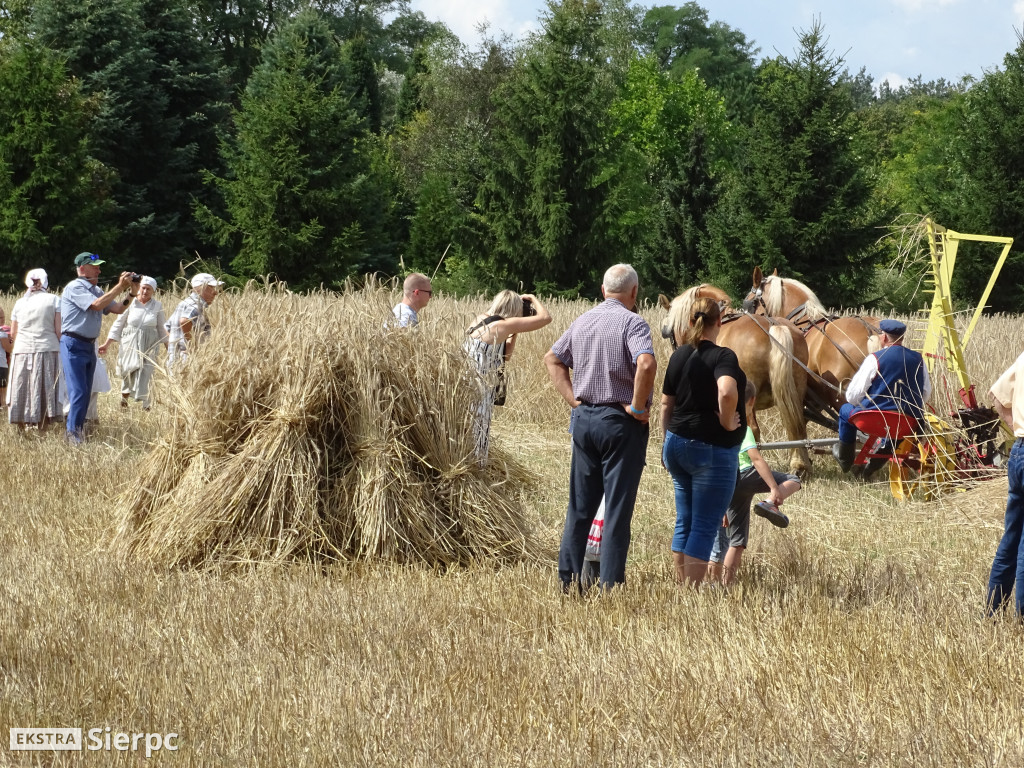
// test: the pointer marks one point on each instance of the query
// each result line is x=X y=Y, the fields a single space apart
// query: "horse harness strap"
x=807 y=324
x=871 y=328
x=773 y=340
x=796 y=311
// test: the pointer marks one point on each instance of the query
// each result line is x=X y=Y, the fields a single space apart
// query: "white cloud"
x=895 y=81
x=918 y=5
x=463 y=17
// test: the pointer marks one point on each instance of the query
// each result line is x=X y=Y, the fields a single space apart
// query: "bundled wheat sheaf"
x=306 y=429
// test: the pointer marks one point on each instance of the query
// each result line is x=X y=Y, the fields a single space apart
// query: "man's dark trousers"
x=609 y=451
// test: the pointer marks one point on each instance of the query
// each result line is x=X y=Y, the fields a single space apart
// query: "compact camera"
x=528 y=309
x=136 y=277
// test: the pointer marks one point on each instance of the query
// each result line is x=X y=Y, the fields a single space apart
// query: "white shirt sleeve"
x=926 y=387
x=117 y=327
x=858 y=387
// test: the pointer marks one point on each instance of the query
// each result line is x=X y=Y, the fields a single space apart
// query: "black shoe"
x=771 y=513
x=845 y=454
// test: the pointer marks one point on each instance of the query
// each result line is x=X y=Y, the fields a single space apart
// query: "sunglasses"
x=423 y=290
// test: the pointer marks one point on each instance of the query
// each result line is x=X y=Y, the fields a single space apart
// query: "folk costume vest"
x=899 y=383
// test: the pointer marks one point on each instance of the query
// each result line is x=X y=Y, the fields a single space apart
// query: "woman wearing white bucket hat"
x=188 y=325
x=35 y=358
x=139 y=332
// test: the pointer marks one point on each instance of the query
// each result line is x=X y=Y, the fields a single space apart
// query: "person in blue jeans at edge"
x=704 y=424
x=1008 y=566
x=755 y=476
x=82 y=306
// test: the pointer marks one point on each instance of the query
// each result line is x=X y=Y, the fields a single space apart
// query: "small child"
x=755 y=477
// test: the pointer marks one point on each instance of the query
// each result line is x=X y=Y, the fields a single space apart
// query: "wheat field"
x=855 y=637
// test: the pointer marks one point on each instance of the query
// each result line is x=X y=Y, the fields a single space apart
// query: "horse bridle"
x=755 y=298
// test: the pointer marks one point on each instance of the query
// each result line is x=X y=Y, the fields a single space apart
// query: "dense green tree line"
x=319 y=140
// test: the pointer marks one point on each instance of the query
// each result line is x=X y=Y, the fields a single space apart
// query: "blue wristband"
x=635 y=412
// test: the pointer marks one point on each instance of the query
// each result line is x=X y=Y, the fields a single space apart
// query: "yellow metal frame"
x=943 y=244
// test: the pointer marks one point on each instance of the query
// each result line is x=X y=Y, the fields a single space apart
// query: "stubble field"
x=855 y=637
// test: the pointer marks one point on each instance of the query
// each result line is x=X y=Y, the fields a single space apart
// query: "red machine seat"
x=883 y=424
x=891 y=424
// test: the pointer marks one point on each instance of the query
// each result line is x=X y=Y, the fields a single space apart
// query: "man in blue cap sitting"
x=892 y=379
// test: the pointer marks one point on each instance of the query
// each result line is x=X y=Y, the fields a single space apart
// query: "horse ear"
x=663 y=301
x=758 y=276
x=775 y=272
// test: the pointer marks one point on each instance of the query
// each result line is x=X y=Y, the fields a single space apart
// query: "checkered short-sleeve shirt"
x=601 y=348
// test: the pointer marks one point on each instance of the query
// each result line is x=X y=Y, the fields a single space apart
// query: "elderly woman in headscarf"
x=139 y=331
x=35 y=358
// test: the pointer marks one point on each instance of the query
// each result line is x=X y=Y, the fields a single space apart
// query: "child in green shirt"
x=755 y=477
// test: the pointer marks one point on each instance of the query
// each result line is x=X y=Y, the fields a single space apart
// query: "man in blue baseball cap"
x=892 y=379
x=82 y=306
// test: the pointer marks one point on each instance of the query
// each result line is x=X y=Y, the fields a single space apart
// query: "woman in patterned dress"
x=491 y=342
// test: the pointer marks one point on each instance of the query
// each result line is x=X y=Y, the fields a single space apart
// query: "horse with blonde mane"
x=836 y=345
x=769 y=351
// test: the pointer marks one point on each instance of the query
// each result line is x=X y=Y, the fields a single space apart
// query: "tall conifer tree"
x=560 y=188
x=800 y=199
x=303 y=195
x=162 y=101
x=53 y=194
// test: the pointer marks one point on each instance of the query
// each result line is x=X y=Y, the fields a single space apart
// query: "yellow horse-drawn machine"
x=947 y=451
x=958 y=440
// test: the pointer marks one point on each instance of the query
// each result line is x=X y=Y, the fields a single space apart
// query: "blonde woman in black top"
x=704 y=423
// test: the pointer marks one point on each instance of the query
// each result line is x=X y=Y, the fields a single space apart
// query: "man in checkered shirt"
x=611 y=356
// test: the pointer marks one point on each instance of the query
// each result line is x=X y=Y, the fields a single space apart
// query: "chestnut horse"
x=767 y=350
x=836 y=345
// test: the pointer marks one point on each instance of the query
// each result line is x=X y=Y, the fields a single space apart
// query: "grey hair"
x=620 y=278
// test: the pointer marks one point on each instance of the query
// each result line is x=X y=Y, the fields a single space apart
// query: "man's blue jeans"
x=78 y=359
x=1008 y=565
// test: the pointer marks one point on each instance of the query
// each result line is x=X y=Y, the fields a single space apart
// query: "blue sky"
x=893 y=39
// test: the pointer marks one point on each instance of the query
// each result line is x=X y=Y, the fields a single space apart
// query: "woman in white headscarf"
x=35 y=358
x=139 y=331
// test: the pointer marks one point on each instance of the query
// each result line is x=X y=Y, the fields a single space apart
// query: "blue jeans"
x=1009 y=561
x=704 y=477
x=78 y=359
x=847 y=432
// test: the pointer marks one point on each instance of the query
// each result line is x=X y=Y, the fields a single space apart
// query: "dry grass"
x=855 y=636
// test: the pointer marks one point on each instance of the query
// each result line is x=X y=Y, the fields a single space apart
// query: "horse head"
x=755 y=298
x=782 y=297
x=678 y=318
